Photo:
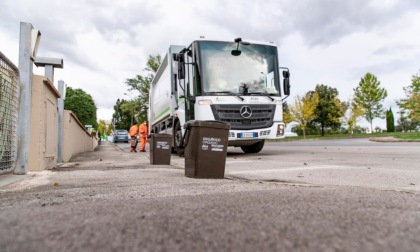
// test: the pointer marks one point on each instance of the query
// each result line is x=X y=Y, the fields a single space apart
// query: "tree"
x=351 y=115
x=402 y=121
x=390 y=125
x=287 y=117
x=369 y=96
x=105 y=129
x=411 y=104
x=121 y=117
x=102 y=127
x=82 y=105
x=109 y=129
x=329 y=109
x=141 y=83
x=406 y=124
x=303 y=109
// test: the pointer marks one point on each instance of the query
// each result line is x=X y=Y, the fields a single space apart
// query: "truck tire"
x=178 y=144
x=254 y=148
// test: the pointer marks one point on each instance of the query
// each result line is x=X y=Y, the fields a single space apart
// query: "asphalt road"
x=346 y=195
x=338 y=162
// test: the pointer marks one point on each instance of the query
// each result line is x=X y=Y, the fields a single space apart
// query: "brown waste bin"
x=160 y=149
x=206 y=149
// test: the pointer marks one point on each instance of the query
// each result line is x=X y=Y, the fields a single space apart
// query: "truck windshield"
x=254 y=71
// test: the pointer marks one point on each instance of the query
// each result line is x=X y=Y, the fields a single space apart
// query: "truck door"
x=190 y=87
x=185 y=84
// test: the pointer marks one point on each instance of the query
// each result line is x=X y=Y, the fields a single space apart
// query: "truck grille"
x=261 y=117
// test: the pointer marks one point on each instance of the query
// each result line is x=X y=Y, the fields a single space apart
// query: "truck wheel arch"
x=177 y=133
x=253 y=148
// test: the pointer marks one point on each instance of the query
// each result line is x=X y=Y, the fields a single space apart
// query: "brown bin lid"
x=208 y=124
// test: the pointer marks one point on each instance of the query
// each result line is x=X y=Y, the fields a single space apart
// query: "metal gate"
x=9 y=90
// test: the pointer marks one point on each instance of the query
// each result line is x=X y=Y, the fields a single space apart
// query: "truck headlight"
x=280 y=130
x=205 y=102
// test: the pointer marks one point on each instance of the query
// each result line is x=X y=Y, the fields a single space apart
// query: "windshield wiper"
x=264 y=94
x=226 y=92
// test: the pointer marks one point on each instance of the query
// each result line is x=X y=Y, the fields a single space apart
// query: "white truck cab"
x=235 y=82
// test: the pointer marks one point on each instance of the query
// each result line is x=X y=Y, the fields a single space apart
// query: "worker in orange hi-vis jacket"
x=134 y=131
x=143 y=136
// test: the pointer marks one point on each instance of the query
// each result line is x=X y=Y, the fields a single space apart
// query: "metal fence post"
x=28 y=45
x=49 y=64
x=62 y=91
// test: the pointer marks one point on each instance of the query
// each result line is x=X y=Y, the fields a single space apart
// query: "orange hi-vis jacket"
x=143 y=130
x=134 y=130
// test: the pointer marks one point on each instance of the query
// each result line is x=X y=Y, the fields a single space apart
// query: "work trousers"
x=142 y=143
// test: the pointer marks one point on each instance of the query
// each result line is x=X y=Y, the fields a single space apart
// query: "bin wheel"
x=253 y=148
x=178 y=145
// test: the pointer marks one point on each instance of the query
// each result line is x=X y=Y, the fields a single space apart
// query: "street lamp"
x=132 y=109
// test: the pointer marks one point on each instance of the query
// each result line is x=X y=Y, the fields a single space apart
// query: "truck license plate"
x=248 y=135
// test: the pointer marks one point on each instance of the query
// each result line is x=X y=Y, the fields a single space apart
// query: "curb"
x=11 y=178
x=390 y=139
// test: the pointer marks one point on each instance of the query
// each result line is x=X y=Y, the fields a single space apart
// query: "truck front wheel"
x=253 y=148
x=178 y=144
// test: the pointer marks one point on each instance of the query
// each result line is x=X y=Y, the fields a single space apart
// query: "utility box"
x=206 y=149
x=160 y=149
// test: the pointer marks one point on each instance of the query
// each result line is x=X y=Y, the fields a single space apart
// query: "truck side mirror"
x=236 y=52
x=181 y=66
x=286 y=82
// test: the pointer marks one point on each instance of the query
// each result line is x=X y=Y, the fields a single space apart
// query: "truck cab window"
x=253 y=69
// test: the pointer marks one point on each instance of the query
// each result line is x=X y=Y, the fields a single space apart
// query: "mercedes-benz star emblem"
x=245 y=112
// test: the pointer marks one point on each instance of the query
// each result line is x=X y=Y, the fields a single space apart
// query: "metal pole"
x=50 y=64
x=49 y=72
x=60 y=101
x=24 y=113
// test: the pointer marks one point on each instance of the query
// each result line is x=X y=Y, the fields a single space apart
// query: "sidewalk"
x=106 y=156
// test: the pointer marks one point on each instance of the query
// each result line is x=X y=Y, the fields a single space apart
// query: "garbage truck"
x=237 y=82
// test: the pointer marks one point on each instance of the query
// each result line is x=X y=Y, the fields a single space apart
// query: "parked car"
x=121 y=136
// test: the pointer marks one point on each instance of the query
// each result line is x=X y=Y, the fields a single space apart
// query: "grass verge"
x=400 y=135
x=414 y=136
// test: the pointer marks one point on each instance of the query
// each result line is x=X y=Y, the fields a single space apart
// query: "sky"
x=330 y=42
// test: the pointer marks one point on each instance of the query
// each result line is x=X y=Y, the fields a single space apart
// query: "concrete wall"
x=43 y=126
x=75 y=138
